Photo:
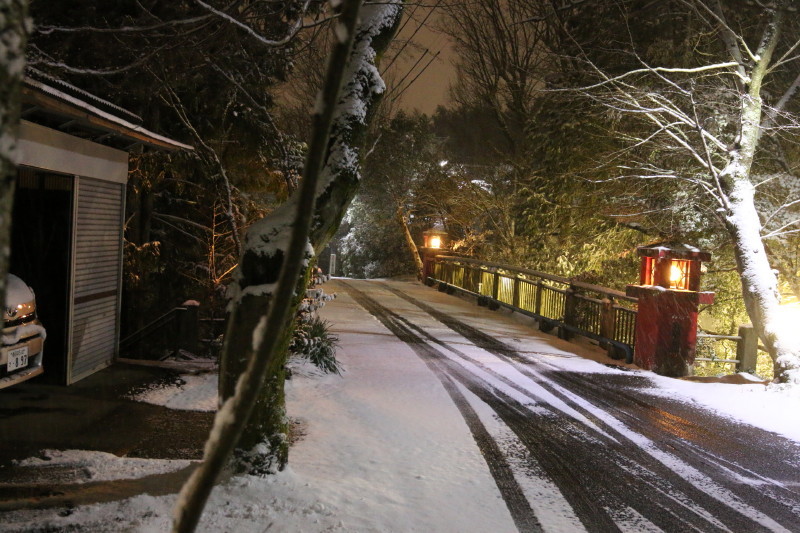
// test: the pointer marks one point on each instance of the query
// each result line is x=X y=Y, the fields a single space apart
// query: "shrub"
x=314 y=341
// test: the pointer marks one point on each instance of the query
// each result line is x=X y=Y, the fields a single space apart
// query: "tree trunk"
x=759 y=283
x=263 y=447
x=412 y=246
x=13 y=38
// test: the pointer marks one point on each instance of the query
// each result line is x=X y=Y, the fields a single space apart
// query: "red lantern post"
x=669 y=296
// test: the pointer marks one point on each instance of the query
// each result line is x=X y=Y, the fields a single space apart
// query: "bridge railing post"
x=570 y=313
x=747 y=349
x=537 y=304
x=608 y=326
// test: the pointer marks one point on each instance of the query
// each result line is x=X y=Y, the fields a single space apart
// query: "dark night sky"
x=431 y=88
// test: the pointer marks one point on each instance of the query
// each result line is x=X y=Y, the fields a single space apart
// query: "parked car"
x=23 y=335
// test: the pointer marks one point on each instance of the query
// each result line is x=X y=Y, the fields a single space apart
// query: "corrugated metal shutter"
x=98 y=267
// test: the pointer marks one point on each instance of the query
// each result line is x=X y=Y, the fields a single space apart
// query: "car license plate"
x=17 y=358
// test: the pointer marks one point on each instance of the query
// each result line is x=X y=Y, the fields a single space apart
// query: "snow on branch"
x=38 y=57
x=782 y=230
x=654 y=70
x=47 y=29
x=290 y=34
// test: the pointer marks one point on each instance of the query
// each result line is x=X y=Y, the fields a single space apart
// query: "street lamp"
x=668 y=299
x=434 y=242
x=671 y=267
x=434 y=237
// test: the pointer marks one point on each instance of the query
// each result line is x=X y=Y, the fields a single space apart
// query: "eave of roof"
x=51 y=99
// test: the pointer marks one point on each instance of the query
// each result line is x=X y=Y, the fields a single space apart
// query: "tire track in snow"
x=773 y=499
x=565 y=451
x=512 y=493
x=580 y=482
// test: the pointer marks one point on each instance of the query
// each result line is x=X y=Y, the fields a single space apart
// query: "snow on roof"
x=68 y=88
x=675 y=250
x=124 y=125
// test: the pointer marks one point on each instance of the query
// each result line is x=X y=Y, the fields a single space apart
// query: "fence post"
x=515 y=295
x=569 y=313
x=496 y=285
x=608 y=323
x=537 y=304
x=747 y=349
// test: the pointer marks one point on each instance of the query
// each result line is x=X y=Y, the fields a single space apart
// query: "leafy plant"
x=314 y=341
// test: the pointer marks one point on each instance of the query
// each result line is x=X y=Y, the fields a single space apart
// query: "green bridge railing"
x=575 y=308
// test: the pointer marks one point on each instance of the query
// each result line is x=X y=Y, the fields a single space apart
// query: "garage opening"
x=41 y=237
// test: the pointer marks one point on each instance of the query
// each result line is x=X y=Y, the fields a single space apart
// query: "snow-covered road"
x=583 y=446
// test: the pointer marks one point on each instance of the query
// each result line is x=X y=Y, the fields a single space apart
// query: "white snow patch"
x=99 y=466
x=23 y=332
x=341 y=32
x=258 y=334
x=768 y=408
x=193 y=393
x=631 y=521
x=102 y=114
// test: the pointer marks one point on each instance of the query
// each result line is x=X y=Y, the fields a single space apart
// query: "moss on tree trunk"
x=263 y=447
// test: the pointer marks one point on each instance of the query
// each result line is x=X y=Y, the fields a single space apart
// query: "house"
x=68 y=219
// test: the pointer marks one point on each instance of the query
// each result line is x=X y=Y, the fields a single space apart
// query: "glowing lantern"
x=671 y=267
x=434 y=238
x=668 y=299
x=679 y=275
x=434 y=242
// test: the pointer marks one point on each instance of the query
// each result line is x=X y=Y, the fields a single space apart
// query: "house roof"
x=62 y=106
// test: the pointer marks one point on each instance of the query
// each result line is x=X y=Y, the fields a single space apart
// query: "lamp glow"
x=675 y=274
x=435 y=242
x=679 y=274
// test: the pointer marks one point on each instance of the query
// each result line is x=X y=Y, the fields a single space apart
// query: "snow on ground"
x=768 y=407
x=195 y=393
x=96 y=466
x=384 y=448
x=772 y=408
